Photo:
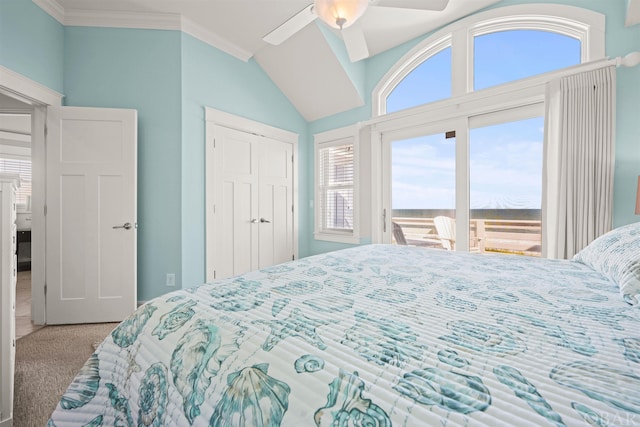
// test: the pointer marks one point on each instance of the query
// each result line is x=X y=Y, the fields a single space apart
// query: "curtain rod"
x=629 y=60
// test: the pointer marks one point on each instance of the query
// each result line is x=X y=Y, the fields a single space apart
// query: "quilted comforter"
x=377 y=335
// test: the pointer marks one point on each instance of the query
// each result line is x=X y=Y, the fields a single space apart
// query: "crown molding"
x=140 y=20
x=211 y=38
x=113 y=19
x=53 y=8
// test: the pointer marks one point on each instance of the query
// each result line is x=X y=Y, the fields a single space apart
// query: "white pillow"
x=616 y=255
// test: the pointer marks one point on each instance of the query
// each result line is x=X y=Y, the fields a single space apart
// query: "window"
x=428 y=82
x=336 y=191
x=22 y=168
x=505 y=56
x=495 y=73
x=491 y=48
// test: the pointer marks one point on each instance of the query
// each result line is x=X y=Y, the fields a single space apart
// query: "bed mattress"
x=377 y=335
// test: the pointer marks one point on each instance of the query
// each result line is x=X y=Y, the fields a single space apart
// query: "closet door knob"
x=126 y=226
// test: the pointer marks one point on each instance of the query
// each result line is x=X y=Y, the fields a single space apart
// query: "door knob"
x=264 y=220
x=254 y=221
x=126 y=226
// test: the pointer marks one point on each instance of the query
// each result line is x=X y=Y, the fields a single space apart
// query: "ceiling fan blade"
x=436 y=5
x=291 y=26
x=355 y=42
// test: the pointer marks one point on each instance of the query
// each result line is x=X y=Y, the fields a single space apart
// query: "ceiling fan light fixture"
x=340 y=14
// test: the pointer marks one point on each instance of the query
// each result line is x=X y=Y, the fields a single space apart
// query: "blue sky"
x=505 y=159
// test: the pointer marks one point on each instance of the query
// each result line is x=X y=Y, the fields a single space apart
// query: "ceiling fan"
x=343 y=15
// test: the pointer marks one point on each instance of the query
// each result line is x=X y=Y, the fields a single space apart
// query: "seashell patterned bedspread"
x=376 y=335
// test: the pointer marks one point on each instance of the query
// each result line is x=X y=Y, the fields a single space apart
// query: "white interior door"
x=253 y=225
x=236 y=209
x=275 y=169
x=91 y=214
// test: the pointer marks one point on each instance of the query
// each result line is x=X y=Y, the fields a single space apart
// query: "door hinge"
x=45 y=210
x=214 y=274
x=291 y=208
x=45 y=289
x=214 y=143
x=214 y=209
x=293 y=257
x=46 y=131
x=292 y=158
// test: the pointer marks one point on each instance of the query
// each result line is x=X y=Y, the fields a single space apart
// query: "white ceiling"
x=306 y=68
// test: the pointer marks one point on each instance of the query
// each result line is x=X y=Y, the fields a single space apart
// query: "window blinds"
x=22 y=168
x=336 y=188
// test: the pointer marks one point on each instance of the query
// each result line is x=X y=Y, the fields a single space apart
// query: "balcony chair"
x=446 y=229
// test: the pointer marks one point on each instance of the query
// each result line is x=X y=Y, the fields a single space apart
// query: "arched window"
x=504 y=56
x=489 y=49
x=428 y=82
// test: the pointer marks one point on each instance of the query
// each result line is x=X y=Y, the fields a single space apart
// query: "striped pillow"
x=616 y=255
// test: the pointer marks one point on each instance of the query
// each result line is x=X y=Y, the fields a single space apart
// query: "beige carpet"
x=46 y=362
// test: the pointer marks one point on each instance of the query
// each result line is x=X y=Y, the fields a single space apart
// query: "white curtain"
x=577 y=199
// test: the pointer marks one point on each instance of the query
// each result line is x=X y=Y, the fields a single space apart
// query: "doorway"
x=18 y=92
x=15 y=157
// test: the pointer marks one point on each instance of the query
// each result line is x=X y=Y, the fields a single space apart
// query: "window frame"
x=343 y=136
x=583 y=24
x=465 y=103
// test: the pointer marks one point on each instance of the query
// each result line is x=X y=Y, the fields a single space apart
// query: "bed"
x=381 y=335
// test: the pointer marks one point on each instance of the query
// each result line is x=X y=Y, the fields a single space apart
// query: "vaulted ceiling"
x=311 y=68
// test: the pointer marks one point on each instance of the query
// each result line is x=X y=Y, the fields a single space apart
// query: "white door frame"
x=39 y=97
x=214 y=118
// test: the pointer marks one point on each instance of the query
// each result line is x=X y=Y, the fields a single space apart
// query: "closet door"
x=275 y=170
x=250 y=202
x=236 y=202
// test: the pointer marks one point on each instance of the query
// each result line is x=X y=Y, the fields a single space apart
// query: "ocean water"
x=517 y=214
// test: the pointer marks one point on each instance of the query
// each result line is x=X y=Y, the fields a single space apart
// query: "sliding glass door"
x=471 y=184
x=505 y=184
x=419 y=184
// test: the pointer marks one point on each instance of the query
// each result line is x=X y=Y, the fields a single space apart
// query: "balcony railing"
x=521 y=237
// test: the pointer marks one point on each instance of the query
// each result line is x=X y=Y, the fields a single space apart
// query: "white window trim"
x=341 y=136
x=466 y=104
x=583 y=24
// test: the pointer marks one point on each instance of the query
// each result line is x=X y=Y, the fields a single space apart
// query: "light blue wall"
x=31 y=43
x=619 y=41
x=139 y=69
x=214 y=79
x=169 y=77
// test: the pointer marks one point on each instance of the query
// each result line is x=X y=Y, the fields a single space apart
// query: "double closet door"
x=253 y=203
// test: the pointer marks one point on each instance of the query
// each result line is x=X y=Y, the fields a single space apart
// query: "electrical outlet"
x=171 y=279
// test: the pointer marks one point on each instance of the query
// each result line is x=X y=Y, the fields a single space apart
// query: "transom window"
x=504 y=56
x=428 y=82
x=488 y=49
